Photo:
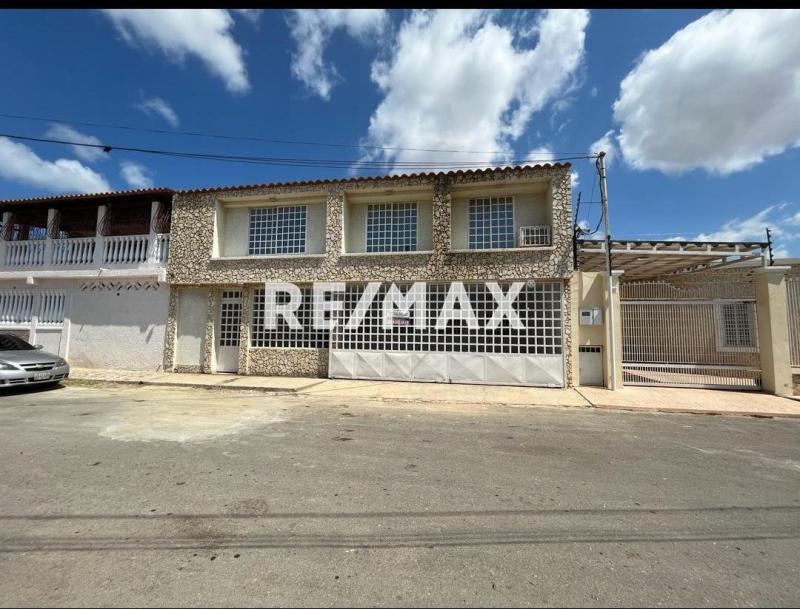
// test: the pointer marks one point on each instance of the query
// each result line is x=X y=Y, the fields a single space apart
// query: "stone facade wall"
x=192 y=241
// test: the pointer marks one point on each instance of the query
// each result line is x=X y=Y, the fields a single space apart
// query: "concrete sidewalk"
x=653 y=399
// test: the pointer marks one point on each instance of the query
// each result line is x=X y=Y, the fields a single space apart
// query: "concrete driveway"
x=147 y=496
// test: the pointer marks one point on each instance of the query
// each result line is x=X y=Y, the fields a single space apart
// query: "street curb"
x=678 y=410
x=78 y=381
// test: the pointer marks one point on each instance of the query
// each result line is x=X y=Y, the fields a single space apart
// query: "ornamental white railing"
x=162 y=248
x=125 y=249
x=17 y=307
x=151 y=250
x=25 y=253
x=51 y=307
x=73 y=252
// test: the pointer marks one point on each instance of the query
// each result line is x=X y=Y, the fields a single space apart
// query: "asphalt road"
x=144 y=496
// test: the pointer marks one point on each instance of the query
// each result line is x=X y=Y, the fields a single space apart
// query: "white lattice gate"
x=700 y=336
x=531 y=355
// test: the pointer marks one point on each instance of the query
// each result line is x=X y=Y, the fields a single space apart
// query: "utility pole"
x=612 y=322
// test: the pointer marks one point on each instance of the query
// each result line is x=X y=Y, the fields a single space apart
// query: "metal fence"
x=689 y=336
x=793 y=296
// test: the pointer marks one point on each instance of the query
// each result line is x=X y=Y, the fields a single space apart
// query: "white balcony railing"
x=21 y=254
x=126 y=251
x=162 y=248
x=73 y=252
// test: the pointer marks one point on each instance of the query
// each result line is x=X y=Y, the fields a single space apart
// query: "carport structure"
x=694 y=314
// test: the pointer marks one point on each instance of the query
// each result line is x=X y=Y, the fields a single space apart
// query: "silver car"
x=23 y=364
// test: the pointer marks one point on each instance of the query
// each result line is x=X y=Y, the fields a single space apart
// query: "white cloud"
x=542 y=153
x=311 y=30
x=456 y=80
x=574 y=181
x=775 y=217
x=18 y=163
x=607 y=144
x=68 y=134
x=253 y=15
x=156 y=105
x=722 y=94
x=136 y=175
x=746 y=229
x=204 y=33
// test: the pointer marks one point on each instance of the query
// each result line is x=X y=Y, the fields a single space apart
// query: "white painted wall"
x=50 y=340
x=233 y=226
x=119 y=328
x=192 y=313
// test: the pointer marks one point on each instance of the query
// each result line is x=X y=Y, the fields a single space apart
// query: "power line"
x=252 y=138
x=283 y=161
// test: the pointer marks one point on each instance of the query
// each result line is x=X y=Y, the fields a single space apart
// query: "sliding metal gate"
x=456 y=354
x=689 y=337
x=793 y=313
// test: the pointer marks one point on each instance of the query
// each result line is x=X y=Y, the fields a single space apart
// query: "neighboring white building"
x=84 y=276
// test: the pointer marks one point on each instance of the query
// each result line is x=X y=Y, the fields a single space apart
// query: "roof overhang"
x=652 y=259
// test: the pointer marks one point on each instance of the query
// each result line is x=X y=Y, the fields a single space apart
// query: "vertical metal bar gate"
x=688 y=337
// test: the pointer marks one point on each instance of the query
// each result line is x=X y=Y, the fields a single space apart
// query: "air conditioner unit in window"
x=533 y=236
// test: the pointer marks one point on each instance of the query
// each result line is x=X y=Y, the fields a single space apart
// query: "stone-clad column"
x=442 y=213
x=334 y=220
x=209 y=345
x=773 y=330
x=244 y=329
x=171 y=331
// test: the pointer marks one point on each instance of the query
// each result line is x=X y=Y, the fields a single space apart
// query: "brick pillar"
x=773 y=330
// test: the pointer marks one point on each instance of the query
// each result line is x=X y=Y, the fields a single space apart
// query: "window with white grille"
x=392 y=227
x=737 y=326
x=229 y=318
x=491 y=223
x=278 y=230
x=538 y=306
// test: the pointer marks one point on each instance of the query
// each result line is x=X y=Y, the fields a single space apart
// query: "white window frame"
x=391 y=204
x=719 y=315
x=513 y=223
x=268 y=207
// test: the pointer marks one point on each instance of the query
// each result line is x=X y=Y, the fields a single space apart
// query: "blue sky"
x=703 y=141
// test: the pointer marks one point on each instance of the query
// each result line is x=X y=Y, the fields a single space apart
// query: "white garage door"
x=529 y=355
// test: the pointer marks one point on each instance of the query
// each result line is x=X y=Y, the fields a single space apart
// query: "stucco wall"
x=191 y=326
x=118 y=324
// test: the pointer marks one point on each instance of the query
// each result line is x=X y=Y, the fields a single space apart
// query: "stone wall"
x=192 y=241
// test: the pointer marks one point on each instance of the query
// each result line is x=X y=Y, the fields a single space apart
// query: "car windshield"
x=9 y=342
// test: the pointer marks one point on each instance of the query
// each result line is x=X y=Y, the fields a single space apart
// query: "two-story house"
x=84 y=275
x=477 y=237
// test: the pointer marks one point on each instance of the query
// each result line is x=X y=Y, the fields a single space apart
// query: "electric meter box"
x=591 y=317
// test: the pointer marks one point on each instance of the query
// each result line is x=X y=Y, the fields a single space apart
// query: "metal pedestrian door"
x=230 y=317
